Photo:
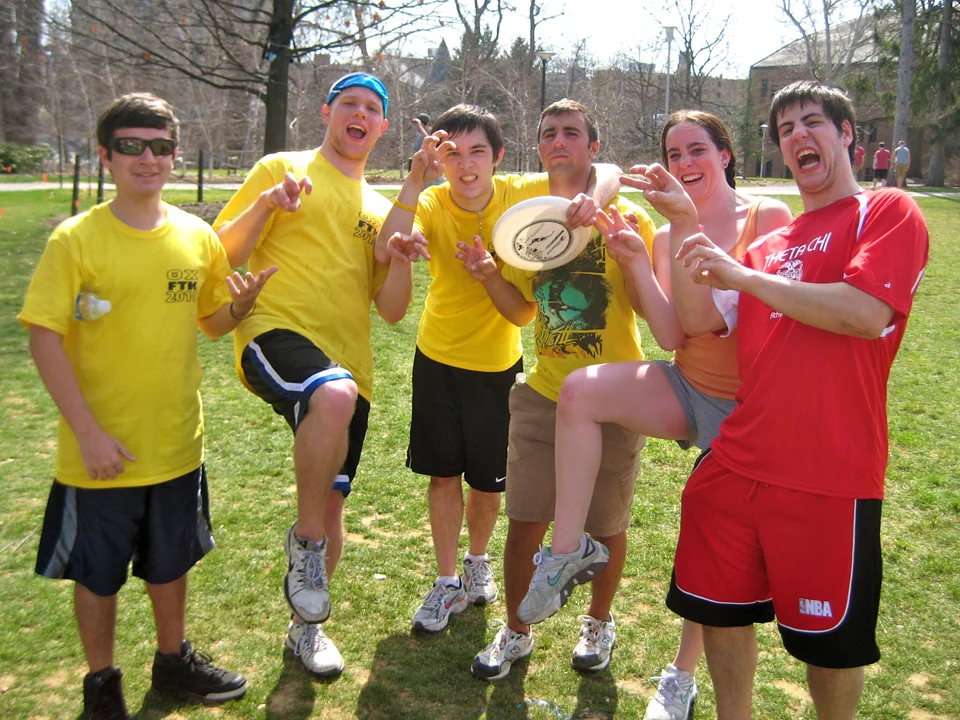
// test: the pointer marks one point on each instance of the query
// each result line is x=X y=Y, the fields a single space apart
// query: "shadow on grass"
x=422 y=675
x=293 y=696
x=596 y=697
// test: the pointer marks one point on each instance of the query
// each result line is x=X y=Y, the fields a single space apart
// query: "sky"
x=609 y=26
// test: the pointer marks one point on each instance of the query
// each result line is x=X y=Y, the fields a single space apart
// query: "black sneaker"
x=103 y=696
x=193 y=675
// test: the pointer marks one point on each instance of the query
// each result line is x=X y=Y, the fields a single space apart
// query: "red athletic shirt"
x=881 y=159
x=811 y=410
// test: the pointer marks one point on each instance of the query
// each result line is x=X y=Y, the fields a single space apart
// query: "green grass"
x=237 y=611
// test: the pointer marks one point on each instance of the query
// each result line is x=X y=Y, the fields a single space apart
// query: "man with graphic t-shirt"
x=782 y=517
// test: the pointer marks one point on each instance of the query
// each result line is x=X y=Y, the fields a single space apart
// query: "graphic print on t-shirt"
x=572 y=303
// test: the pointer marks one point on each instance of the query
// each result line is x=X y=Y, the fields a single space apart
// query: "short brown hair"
x=715 y=129
x=834 y=101
x=562 y=107
x=136 y=110
x=464 y=118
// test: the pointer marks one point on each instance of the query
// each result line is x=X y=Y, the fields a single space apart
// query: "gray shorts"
x=704 y=412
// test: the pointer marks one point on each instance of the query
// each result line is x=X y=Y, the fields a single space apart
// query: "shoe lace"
x=312 y=641
x=668 y=689
x=312 y=571
x=434 y=598
x=201 y=663
x=589 y=631
x=499 y=644
x=480 y=574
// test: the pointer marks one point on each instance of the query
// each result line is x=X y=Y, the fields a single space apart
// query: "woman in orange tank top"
x=683 y=400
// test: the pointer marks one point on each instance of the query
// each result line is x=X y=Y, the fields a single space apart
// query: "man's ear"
x=499 y=157
x=325 y=113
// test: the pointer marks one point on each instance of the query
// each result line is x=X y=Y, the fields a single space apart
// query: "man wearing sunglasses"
x=130 y=479
x=306 y=350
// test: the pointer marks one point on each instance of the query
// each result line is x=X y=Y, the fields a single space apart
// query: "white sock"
x=451 y=580
x=475 y=558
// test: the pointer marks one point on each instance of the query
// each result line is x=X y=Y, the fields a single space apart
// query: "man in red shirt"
x=881 y=165
x=781 y=518
x=858 y=156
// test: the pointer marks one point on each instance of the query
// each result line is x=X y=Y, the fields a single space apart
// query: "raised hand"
x=662 y=190
x=285 y=195
x=710 y=265
x=582 y=211
x=427 y=164
x=623 y=242
x=245 y=288
x=407 y=248
x=477 y=260
x=103 y=454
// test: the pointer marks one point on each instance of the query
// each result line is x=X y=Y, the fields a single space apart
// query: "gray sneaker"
x=306 y=582
x=478 y=577
x=557 y=575
x=316 y=651
x=597 y=638
x=675 y=697
x=439 y=604
x=495 y=661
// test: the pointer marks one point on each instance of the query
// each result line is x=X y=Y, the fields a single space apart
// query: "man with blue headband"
x=305 y=349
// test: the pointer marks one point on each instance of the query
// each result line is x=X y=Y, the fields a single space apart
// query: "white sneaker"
x=439 y=604
x=478 y=577
x=595 y=646
x=497 y=658
x=306 y=582
x=675 y=698
x=316 y=651
x=556 y=577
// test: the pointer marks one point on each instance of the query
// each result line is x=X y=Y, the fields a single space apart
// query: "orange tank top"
x=708 y=361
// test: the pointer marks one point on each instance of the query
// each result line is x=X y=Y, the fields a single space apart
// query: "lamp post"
x=763 y=147
x=668 y=29
x=544 y=57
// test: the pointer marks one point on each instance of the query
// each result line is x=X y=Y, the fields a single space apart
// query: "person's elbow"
x=392 y=312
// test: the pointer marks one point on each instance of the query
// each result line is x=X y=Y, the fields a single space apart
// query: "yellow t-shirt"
x=137 y=365
x=584 y=316
x=460 y=326
x=328 y=275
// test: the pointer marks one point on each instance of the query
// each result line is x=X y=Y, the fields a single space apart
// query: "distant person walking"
x=858 y=154
x=881 y=164
x=901 y=163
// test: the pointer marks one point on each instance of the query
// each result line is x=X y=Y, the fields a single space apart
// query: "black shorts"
x=284 y=369
x=460 y=422
x=90 y=536
x=880 y=174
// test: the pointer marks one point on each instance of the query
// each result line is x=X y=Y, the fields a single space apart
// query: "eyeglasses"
x=136 y=146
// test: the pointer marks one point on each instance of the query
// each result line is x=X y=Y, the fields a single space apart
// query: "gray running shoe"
x=495 y=661
x=597 y=638
x=439 y=604
x=316 y=651
x=478 y=577
x=675 y=698
x=306 y=582
x=557 y=575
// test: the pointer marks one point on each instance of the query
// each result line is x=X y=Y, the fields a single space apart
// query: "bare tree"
x=835 y=33
x=908 y=20
x=227 y=43
x=21 y=69
x=938 y=153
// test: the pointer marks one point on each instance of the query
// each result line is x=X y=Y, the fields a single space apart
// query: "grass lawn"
x=238 y=613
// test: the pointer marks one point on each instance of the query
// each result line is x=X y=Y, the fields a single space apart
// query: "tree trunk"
x=938 y=154
x=275 y=99
x=905 y=75
x=8 y=70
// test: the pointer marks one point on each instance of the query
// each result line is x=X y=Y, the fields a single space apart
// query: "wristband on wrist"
x=404 y=206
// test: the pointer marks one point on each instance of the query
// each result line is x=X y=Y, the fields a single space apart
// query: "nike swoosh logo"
x=501 y=480
x=556 y=578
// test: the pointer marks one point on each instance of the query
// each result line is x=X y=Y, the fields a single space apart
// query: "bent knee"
x=575 y=393
x=335 y=400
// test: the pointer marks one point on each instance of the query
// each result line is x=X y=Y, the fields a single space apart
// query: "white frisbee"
x=532 y=235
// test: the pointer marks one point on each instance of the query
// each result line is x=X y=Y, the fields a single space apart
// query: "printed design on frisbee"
x=542 y=241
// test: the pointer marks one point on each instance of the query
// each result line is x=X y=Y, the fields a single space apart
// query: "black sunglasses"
x=136 y=146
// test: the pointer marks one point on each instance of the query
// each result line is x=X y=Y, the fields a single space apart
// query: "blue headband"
x=360 y=80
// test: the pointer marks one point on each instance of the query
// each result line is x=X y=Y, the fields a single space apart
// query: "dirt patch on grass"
x=207 y=211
